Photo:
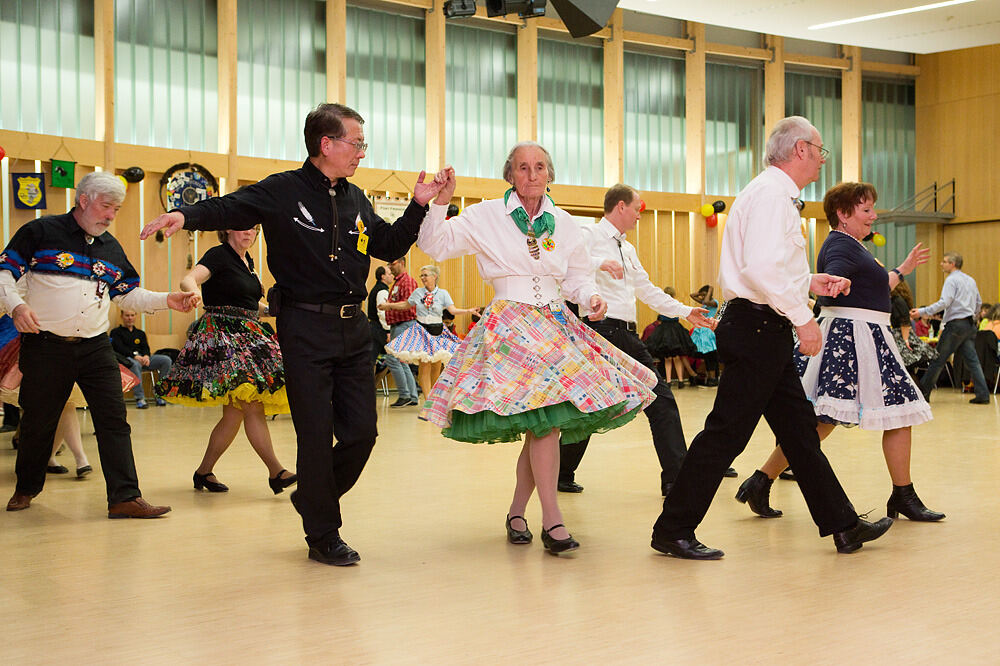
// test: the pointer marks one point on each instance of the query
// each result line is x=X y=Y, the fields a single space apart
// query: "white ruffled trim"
x=868 y=410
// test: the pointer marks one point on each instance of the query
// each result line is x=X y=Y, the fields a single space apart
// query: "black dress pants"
x=50 y=367
x=331 y=393
x=759 y=379
x=664 y=418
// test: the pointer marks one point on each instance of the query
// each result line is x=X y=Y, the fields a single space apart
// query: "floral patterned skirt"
x=229 y=356
x=859 y=377
x=524 y=368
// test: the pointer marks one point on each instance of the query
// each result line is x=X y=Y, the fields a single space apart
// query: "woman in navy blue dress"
x=859 y=379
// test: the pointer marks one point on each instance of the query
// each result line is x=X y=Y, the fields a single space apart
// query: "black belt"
x=65 y=339
x=618 y=324
x=348 y=311
x=744 y=303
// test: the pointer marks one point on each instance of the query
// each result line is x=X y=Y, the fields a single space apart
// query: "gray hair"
x=97 y=183
x=953 y=258
x=781 y=144
x=431 y=268
x=508 y=166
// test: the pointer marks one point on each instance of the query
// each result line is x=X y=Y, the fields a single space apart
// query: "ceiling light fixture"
x=897 y=12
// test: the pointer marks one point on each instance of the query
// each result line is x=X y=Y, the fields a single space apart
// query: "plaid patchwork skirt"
x=417 y=345
x=524 y=368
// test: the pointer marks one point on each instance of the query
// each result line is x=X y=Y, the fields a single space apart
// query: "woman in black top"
x=859 y=377
x=230 y=360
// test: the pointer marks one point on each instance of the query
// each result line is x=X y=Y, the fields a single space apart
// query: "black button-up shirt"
x=312 y=253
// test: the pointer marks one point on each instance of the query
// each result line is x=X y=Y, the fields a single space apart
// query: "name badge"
x=363 y=243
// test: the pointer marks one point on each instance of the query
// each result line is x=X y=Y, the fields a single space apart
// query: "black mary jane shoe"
x=556 y=546
x=279 y=483
x=202 y=481
x=518 y=537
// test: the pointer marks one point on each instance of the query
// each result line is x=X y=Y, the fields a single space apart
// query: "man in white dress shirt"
x=72 y=268
x=620 y=279
x=765 y=279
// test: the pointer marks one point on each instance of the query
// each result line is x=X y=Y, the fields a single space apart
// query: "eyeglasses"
x=823 y=152
x=359 y=146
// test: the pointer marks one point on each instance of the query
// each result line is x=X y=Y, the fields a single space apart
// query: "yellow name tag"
x=363 y=243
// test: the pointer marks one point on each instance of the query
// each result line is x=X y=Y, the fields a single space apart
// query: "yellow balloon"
x=707 y=209
x=878 y=240
x=124 y=182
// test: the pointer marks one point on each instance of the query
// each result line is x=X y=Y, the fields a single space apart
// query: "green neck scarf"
x=543 y=224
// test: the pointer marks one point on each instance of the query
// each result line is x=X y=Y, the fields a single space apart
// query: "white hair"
x=781 y=144
x=97 y=183
x=508 y=165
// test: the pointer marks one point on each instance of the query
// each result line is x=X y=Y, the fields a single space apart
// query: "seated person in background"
x=983 y=316
x=915 y=352
x=132 y=350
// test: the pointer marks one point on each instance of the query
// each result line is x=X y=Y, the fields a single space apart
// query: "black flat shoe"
x=904 y=501
x=730 y=473
x=787 y=475
x=202 y=481
x=687 y=549
x=518 y=537
x=56 y=469
x=556 y=546
x=83 y=471
x=756 y=493
x=279 y=483
x=569 y=487
x=850 y=540
x=335 y=553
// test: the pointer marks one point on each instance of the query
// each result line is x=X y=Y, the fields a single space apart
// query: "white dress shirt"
x=605 y=242
x=763 y=250
x=70 y=306
x=486 y=230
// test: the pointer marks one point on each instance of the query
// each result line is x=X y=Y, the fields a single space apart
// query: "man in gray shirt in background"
x=960 y=301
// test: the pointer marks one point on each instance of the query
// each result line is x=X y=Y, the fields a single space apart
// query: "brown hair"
x=619 y=192
x=903 y=291
x=844 y=197
x=327 y=120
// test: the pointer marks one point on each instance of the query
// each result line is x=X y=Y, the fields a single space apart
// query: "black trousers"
x=664 y=418
x=759 y=379
x=50 y=367
x=331 y=393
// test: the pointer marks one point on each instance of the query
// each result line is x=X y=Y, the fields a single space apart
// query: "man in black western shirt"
x=72 y=268
x=321 y=232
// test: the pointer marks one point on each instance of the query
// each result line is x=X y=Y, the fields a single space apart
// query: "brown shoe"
x=136 y=508
x=19 y=502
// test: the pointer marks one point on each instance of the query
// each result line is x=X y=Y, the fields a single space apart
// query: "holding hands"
x=698 y=319
x=598 y=308
x=440 y=189
x=823 y=284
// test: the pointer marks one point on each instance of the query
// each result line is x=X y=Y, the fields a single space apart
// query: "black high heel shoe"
x=518 y=537
x=556 y=546
x=201 y=481
x=278 y=484
x=904 y=501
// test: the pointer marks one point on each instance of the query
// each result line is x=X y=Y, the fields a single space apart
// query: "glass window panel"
x=47 y=67
x=734 y=126
x=281 y=74
x=386 y=85
x=166 y=73
x=571 y=110
x=818 y=99
x=480 y=99
x=654 y=122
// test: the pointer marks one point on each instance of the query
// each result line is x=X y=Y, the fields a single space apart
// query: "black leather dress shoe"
x=731 y=473
x=569 y=487
x=688 y=549
x=335 y=553
x=787 y=475
x=850 y=540
x=979 y=401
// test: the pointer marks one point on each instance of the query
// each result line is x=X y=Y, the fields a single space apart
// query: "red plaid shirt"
x=400 y=291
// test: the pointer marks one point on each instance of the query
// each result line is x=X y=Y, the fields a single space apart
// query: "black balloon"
x=719 y=206
x=133 y=174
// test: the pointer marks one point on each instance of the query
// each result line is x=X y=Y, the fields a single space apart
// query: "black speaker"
x=584 y=17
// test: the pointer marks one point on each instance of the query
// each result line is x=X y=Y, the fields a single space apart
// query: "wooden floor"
x=224 y=578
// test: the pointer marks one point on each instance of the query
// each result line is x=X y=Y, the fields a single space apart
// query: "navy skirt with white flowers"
x=859 y=377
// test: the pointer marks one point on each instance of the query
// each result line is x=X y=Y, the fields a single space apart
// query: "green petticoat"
x=489 y=427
